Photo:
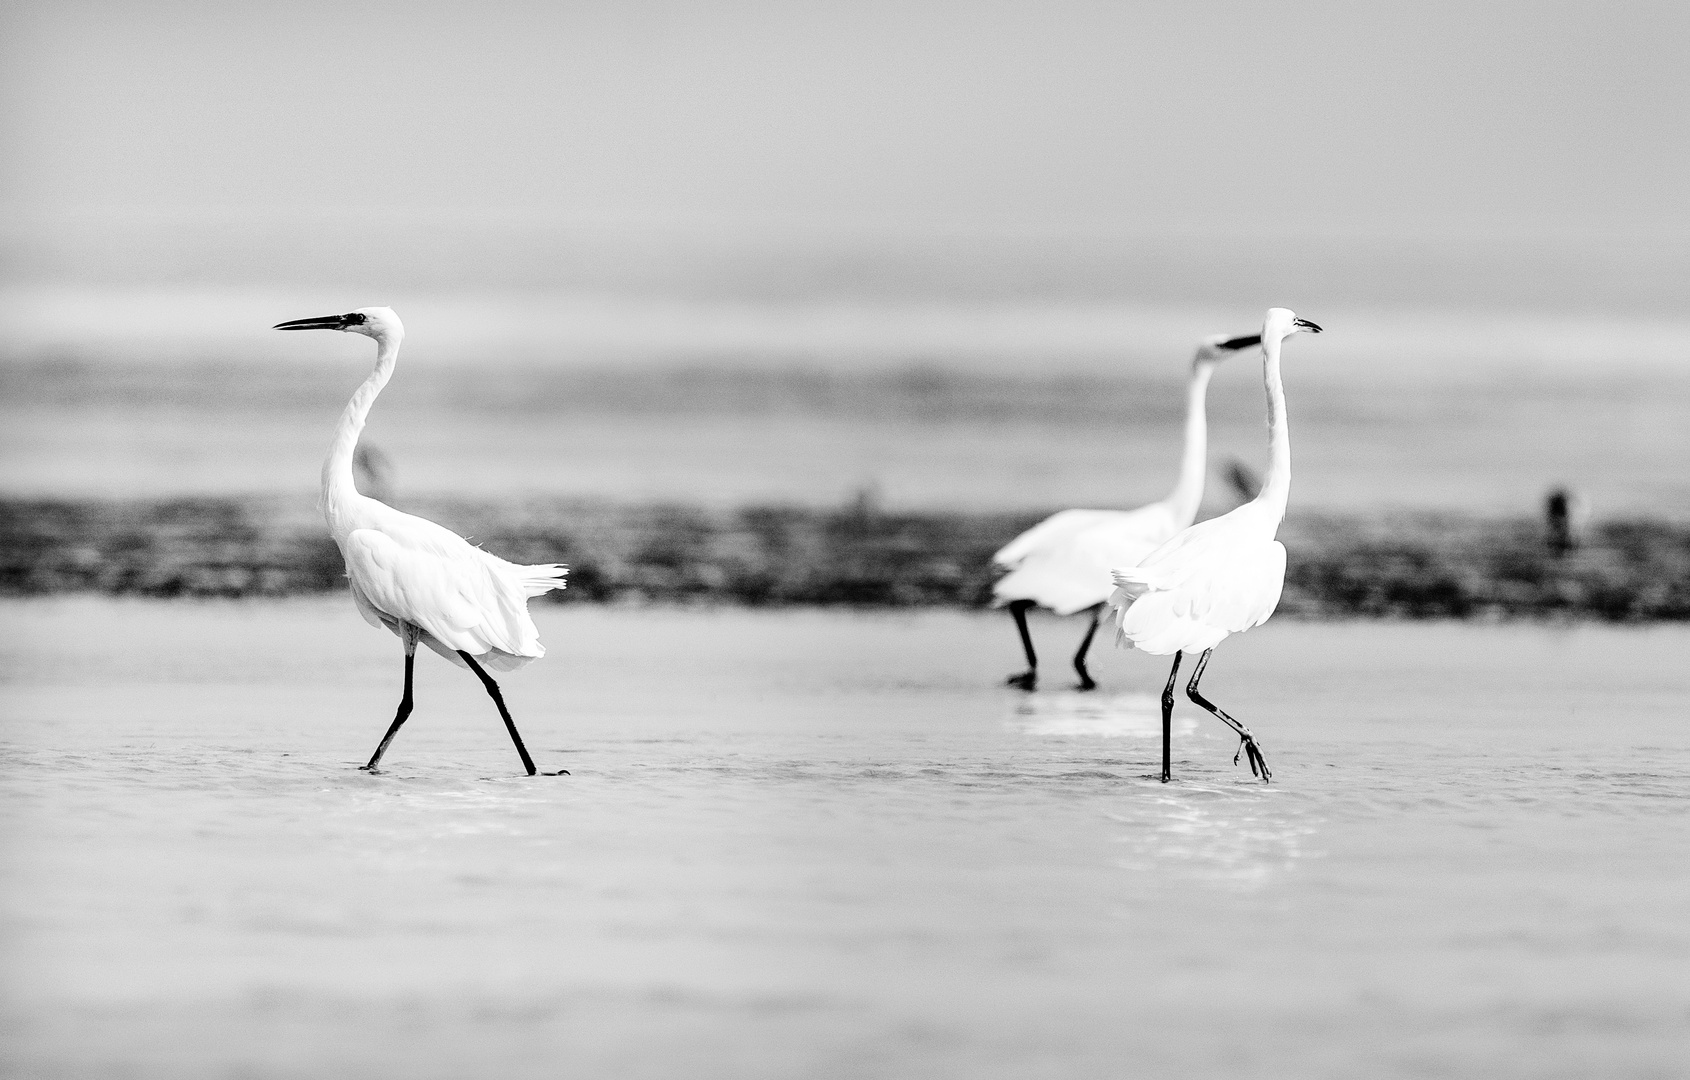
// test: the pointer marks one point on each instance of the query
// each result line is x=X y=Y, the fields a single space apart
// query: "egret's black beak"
x=1304 y=324
x=1245 y=342
x=322 y=322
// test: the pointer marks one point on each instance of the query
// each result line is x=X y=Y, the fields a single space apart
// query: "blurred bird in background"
x=1063 y=562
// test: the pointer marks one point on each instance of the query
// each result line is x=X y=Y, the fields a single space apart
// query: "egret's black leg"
x=1246 y=741
x=409 y=635
x=1168 y=722
x=1086 y=682
x=504 y=713
x=1029 y=678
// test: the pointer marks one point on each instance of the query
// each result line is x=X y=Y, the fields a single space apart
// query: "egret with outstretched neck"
x=1218 y=577
x=420 y=580
x=1063 y=562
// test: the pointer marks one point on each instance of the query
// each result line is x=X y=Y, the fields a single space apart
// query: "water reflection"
x=1206 y=826
x=1095 y=715
x=1224 y=836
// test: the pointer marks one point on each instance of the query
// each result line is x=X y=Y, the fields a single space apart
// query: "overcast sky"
x=1512 y=118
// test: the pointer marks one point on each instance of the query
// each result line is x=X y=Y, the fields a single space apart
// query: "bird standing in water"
x=1063 y=562
x=420 y=580
x=1221 y=576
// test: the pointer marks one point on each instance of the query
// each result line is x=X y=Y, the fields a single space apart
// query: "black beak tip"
x=323 y=322
x=1313 y=328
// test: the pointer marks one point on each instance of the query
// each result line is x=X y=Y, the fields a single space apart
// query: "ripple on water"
x=1475 y=878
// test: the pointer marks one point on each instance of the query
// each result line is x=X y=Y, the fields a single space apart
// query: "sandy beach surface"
x=829 y=845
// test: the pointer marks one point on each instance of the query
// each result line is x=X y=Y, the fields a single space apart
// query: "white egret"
x=1063 y=562
x=1221 y=576
x=420 y=580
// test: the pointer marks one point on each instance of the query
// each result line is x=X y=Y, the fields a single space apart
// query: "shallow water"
x=822 y=844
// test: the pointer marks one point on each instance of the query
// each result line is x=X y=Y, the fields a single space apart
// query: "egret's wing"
x=423 y=535
x=1124 y=539
x=368 y=610
x=1237 y=592
x=1070 y=570
x=1216 y=578
x=462 y=598
x=1048 y=533
x=415 y=533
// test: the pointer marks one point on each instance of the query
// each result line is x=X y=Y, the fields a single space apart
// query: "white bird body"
x=1216 y=578
x=1063 y=562
x=1221 y=576
x=418 y=579
x=407 y=569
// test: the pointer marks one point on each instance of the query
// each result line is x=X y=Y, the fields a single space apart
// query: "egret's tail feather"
x=1119 y=601
x=1130 y=584
x=500 y=660
x=1134 y=581
x=542 y=578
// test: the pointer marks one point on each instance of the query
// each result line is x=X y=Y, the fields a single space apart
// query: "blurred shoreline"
x=857 y=555
x=934 y=436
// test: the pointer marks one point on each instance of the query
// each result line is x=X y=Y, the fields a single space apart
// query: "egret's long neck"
x=1276 y=487
x=1194 y=465
x=338 y=487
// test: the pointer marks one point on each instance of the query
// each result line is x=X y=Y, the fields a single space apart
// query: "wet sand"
x=822 y=844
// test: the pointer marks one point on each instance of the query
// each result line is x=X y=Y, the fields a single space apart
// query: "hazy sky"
x=1513 y=118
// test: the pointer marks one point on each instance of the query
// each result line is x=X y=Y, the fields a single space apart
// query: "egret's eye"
x=354 y=318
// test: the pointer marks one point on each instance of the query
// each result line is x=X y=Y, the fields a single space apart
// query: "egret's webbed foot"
x=1027 y=680
x=1086 y=681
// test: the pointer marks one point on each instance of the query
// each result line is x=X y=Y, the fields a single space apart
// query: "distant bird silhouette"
x=1565 y=516
x=1221 y=576
x=1063 y=562
x=1245 y=485
x=374 y=471
x=420 y=580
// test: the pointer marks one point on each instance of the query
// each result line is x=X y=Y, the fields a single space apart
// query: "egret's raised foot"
x=1027 y=680
x=1258 y=764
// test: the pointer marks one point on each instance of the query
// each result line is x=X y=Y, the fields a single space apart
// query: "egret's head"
x=1217 y=347
x=1281 y=323
x=381 y=323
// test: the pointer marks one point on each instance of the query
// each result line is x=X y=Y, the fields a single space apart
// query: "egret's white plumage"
x=1063 y=562
x=1218 y=577
x=1221 y=576
x=418 y=579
